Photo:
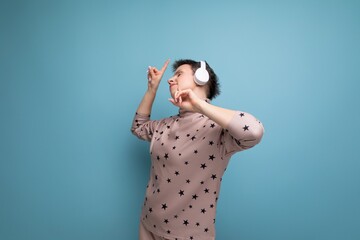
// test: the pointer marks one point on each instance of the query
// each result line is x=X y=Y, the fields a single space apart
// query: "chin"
x=172 y=93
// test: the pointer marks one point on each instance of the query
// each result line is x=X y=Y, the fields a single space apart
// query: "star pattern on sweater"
x=178 y=153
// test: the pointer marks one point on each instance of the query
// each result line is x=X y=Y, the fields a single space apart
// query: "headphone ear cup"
x=201 y=76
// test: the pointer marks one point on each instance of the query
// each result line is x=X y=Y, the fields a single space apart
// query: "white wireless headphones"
x=201 y=74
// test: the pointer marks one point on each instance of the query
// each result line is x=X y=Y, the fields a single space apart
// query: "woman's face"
x=183 y=78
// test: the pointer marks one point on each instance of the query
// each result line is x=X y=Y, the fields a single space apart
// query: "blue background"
x=73 y=72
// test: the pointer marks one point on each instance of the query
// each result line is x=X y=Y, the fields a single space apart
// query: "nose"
x=171 y=81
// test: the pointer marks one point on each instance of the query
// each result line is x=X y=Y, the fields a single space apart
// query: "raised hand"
x=154 y=76
x=187 y=100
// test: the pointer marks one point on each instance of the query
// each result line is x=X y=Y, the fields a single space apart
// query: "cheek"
x=187 y=84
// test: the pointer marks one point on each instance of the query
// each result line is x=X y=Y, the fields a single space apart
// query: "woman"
x=189 y=152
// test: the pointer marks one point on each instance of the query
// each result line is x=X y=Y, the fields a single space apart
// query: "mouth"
x=172 y=85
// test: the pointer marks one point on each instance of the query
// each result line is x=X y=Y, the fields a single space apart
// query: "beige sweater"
x=189 y=155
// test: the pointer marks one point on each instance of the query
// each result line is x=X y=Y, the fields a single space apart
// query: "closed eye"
x=178 y=73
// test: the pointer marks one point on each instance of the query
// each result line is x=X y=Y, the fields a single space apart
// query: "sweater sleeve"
x=243 y=132
x=143 y=127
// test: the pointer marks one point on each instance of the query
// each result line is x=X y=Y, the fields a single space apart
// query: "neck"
x=184 y=112
x=200 y=92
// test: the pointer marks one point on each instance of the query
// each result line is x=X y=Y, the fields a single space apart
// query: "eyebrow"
x=178 y=71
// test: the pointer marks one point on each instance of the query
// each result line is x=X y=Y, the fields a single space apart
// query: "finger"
x=165 y=65
x=152 y=71
x=148 y=74
x=184 y=93
x=173 y=101
x=176 y=95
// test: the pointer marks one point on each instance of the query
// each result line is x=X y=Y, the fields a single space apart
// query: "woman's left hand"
x=186 y=100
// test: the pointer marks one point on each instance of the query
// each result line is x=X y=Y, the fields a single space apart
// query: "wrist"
x=151 y=92
x=201 y=106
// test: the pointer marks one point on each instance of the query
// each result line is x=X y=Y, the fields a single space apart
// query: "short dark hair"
x=213 y=86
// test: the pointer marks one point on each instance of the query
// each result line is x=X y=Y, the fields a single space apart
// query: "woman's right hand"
x=154 y=76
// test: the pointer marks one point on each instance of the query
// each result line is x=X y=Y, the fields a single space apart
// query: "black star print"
x=203 y=210
x=176 y=216
x=195 y=196
x=211 y=143
x=191 y=237
x=193 y=138
x=186 y=162
x=211 y=205
x=195 y=151
x=213 y=176
x=206 y=230
x=206 y=190
x=188 y=135
x=168 y=231
x=241 y=114
x=181 y=193
x=174 y=147
x=211 y=157
x=188 y=181
x=150 y=209
x=186 y=222
x=190 y=206
x=158 y=158
x=177 y=137
x=202 y=182
x=246 y=128
x=197 y=224
x=166 y=221
x=177 y=173
x=212 y=125
x=203 y=166
x=168 y=180
x=164 y=206
x=166 y=156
